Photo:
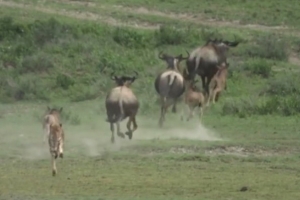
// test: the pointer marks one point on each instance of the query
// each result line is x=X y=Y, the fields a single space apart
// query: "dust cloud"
x=196 y=131
x=25 y=141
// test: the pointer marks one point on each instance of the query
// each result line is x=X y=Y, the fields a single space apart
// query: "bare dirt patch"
x=246 y=151
x=294 y=59
x=81 y=15
x=200 y=19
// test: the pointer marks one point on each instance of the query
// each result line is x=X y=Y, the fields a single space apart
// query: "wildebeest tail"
x=112 y=119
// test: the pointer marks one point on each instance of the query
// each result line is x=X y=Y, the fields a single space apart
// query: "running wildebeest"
x=169 y=84
x=52 y=117
x=56 y=139
x=204 y=60
x=193 y=99
x=121 y=103
x=218 y=82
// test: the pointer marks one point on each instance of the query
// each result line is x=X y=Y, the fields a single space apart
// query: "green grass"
x=52 y=53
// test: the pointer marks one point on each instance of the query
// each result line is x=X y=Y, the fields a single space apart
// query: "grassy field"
x=52 y=53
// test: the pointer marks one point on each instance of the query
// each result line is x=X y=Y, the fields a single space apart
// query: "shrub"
x=36 y=64
x=131 y=38
x=48 y=31
x=268 y=46
x=283 y=86
x=243 y=108
x=10 y=30
x=259 y=67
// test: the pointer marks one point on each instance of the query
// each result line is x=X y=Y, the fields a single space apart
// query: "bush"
x=172 y=35
x=48 y=31
x=131 y=38
x=259 y=67
x=36 y=64
x=243 y=108
x=10 y=30
x=283 y=86
x=275 y=105
x=267 y=46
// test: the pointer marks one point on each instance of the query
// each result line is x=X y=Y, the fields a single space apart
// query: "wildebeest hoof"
x=61 y=155
x=173 y=110
x=129 y=133
x=121 y=135
x=55 y=156
x=53 y=172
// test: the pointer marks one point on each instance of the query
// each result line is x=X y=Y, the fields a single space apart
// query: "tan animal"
x=218 y=83
x=121 y=103
x=204 y=60
x=52 y=117
x=56 y=143
x=169 y=84
x=193 y=99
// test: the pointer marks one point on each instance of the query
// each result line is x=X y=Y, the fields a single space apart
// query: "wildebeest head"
x=223 y=65
x=54 y=110
x=192 y=85
x=222 y=44
x=172 y=61
x=124 y=80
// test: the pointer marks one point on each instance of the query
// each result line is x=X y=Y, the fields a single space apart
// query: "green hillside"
x=61 y=53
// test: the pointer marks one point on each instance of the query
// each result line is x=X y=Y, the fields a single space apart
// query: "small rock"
x=243 y=189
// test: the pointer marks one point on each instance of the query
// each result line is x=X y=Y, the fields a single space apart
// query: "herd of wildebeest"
x=208 y=61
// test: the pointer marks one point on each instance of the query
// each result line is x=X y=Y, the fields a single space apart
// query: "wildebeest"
x=204 y=60
x=169 y=84
x=218 y=82
x=121 y=103
x=193 y=99
x=52 y=117
x=56 y=142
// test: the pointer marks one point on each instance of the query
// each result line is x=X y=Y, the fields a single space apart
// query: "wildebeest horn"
x=232 y=44
x=161 y=55
x=188 y=54
x=136 y=74
x=112 y=76
x=180 y=57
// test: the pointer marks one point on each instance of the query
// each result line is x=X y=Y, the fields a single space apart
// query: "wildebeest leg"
x=130 y=121
x=119 y=133
x=217 y=96
x=200 y=112
x=46 y=132
x=174 y=110
x=207 y=88
x=162 y=111
x=53 y=161
x=183 y=111
x=203 y=81
x=161 y=119
x=191 y=110
x=60 y=149
x=112 y=133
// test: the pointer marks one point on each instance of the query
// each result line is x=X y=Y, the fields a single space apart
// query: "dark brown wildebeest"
x=193 y=99
x=169 y=84
x=122 y=103
x=204 y=60
x=218 y=82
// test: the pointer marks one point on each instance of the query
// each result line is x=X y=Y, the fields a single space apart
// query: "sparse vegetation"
x=52 y=54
